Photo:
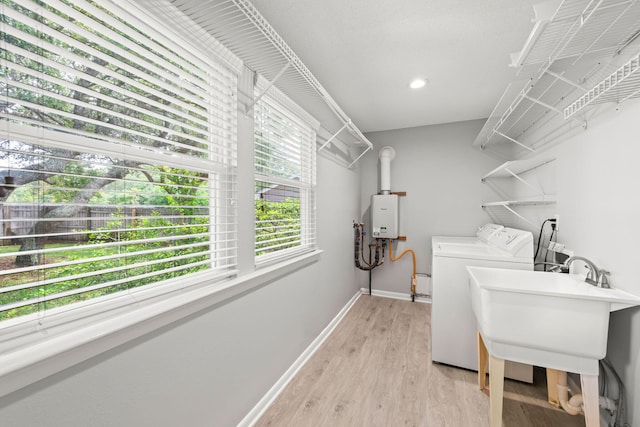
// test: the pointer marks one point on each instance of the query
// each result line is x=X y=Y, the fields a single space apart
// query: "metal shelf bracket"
x=518 y=215
x=346 y=124
x=358 y=158
x=266 y=89
x=524 y=181
x=506 y=205
x=515 y=141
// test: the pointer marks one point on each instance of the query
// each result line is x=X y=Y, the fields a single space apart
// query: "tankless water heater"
x=384 y=216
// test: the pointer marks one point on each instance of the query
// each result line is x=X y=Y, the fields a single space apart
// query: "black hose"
x=539 y=239
x=546 y=254
x=620 y=401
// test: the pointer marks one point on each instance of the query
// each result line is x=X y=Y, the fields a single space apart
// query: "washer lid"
x=455 y=240
x=468 y=251
x=477 y=252
x=494 y=242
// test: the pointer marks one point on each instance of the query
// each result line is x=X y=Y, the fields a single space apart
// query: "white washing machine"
x=453 y=325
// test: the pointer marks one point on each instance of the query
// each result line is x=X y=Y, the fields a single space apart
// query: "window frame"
x=277 y=101
x=217 y=90
x=32 y=348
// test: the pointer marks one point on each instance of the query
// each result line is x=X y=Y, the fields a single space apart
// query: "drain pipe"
x=573 y=405
x=571 y=408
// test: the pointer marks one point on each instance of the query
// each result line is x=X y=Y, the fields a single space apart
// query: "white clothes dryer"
x=453 y=325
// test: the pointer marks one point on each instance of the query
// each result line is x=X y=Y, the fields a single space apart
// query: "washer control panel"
x=485 y=232
x=518 y=243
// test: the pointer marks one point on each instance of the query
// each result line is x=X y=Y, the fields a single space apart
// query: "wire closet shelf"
x=240 y=27
x=573 y=46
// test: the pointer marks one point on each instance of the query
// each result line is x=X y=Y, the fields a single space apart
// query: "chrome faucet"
x=595 y=276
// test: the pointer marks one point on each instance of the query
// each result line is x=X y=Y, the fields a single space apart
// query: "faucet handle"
x=603 y=282
x=592 y=274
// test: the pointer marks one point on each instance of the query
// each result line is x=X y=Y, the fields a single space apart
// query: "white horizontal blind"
x=284 y=160
x=120 y=150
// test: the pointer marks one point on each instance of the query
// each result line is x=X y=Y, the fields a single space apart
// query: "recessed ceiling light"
x=418 y=83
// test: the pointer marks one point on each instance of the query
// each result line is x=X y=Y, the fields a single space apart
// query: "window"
x=284 y=177
x=117 y=158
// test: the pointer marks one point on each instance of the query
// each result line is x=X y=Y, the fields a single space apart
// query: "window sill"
x=279 y=257
x=48 y=353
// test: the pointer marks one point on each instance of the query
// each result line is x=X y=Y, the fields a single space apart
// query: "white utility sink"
x=549 y=319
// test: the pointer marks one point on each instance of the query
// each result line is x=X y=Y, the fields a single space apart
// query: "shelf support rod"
x=524 y=181
x=358 y=158
x=514 y=141
x=347 y=123
x=566 y=80
x=544 y=104
x=518 y=215
x=551 y=107
x=264 y=92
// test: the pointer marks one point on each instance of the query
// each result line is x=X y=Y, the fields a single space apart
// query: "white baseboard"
x=394 y=295
x=260 y=408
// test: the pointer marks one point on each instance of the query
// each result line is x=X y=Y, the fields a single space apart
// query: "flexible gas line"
x=415 y=269
x=359 y=250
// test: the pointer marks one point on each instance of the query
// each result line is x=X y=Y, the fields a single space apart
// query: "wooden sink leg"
x=483 y=357
x=496 y=389
x=552 y=387
x=590 y=396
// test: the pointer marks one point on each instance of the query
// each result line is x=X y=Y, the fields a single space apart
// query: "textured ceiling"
x=365 y=52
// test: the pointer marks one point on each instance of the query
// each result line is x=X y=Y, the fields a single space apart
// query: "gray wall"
x=440 y=171
x=212 y=368
x=596 y=175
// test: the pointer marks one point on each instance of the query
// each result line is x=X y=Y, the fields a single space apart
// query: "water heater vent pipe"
x=386 y=155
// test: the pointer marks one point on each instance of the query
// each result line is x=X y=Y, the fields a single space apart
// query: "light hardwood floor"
x=375 y=370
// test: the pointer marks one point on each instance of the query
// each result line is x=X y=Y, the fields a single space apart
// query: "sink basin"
x=534 y=316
